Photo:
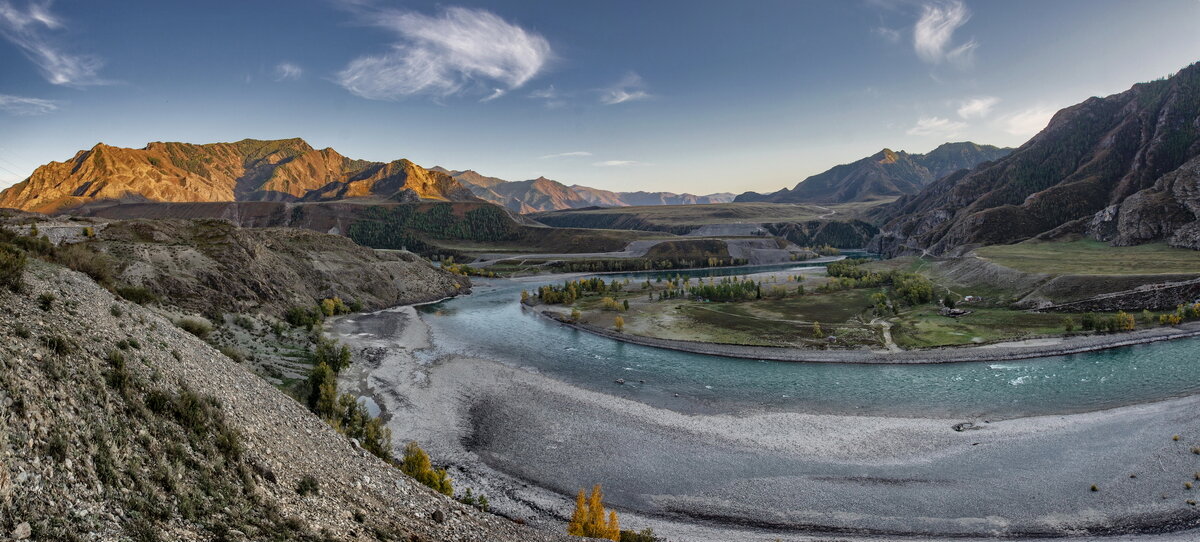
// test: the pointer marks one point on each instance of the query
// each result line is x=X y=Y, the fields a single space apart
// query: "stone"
x=439 y=516
x=22 y=531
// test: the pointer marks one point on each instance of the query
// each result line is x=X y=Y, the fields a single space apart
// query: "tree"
x=816 y=330
x=416 y=464
x=575 y=315
x=948 y=301
x=625 y=305
x=1068 y=324
x=588 y=519
x=619 y=323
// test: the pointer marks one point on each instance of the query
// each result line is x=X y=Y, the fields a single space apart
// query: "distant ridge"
x=542 y=194
x=247 y=170
x=884 y=175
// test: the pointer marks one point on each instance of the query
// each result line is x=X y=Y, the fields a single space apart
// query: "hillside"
x=542 y=194
x=248 y=170
x=884 y=175
x=121 y=426
x=804 y=225
x=1120 y=168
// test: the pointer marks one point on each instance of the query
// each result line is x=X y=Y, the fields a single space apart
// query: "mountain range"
x=886 y=174
x=1124 y=168
x=247 y=170
x=542 y=194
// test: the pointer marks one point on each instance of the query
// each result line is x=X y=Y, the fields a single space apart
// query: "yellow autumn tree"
x=619 y=323
x=588 y=519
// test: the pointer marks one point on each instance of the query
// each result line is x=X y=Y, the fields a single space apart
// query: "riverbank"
x=529 y=441
x=1005 y=351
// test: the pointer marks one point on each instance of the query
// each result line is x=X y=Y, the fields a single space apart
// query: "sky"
x=685 y=96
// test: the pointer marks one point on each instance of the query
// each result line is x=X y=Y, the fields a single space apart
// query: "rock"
x=439 y=516
x=619 y=381
x=965 y=426
x=22 y=531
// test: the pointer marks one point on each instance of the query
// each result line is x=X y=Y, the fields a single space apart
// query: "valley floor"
x=529 y=442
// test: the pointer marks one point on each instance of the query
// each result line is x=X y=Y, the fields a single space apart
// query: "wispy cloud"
x=287 y=71
x=933 y=34
x=460 y=50
x=977 y=108
x=936 y=126
x=565 y=155
x=27 y=29
x=1027 y=122
x=19 y=105
x=616 y=163
x=628 y=89
x=891 y=35
x=551 y=97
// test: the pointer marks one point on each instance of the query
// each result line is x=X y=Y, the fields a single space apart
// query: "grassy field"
x=1091 y=257
x=924 y=327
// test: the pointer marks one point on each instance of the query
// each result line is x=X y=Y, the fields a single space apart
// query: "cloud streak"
x=572 y=154
x=286 y=71
x=977 y=108
x=28 y=30
x=616 y=163
x=19 y=105
x=933 y=34
x=936 y=126
x=629 y=88
x=457 y=51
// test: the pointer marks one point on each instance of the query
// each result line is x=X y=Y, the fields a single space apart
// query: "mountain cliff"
x=542 y=194
x=247 y=170
x=1121 y=168
x=885 y=174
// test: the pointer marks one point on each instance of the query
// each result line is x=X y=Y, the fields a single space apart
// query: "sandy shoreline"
x=529 y=441
x=1006 y=351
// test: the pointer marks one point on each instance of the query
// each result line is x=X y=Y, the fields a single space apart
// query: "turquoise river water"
x=491 y=324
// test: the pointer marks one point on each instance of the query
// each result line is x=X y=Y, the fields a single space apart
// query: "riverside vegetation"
x=850 y=305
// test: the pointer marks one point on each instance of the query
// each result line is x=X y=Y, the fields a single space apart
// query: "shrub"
x=416 y=464
x=195 y=326
x=234 y=354
x=333 y=306
x=12 y=267
x=645 y=535
x=331 y=353
x=305 y=317
x=307 y=486
x=137 y=294
x=56 y=343
x=80 y=257
x=46 y=301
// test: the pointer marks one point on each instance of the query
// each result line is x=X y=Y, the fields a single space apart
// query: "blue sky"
x=642 y=95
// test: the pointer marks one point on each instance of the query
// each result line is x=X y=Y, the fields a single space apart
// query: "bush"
x=416 y=464
x=646 y=535
x=305 y=317
x=12 y=267
x=46 y=301
x=80 y=257
x=307 y=486
x=137 y=294
x=195 y=326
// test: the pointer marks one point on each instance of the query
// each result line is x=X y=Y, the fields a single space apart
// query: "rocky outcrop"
x=1091 y=157
x=247 y=170
x=1169 y=210
x=885 y=174
x=117 y=425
